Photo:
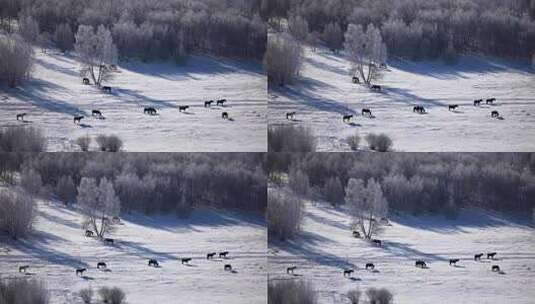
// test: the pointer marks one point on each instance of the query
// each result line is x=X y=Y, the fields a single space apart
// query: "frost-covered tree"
x=283 y=59
x=367 y=205
x=16 y=212
x=29 y=29
x=16 y=59
x=333 y=36
x=65 y=189
x=284 y=213
x=333 y=190
x=366 y=50
x=96 y=50
x=64 y=37
x=298 y=27
x=98 y=204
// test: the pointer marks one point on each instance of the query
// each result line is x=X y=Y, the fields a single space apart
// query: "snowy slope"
x=58 y=247
x=55 y=94
x=325 y=92
x=325 y=247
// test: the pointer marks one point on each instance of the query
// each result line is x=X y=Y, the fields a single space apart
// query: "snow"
x=55 y=94
x=326 y=246
x=58 y=246
x=324 y=92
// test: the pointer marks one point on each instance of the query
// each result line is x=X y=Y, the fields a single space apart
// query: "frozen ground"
x=325 y=247
x=58 y=247
x=55 y=94
x=325 y=92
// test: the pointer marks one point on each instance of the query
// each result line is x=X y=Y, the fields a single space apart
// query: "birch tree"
x=98 y=204
x=96 y=50
x=367 y=205
x=366 y=50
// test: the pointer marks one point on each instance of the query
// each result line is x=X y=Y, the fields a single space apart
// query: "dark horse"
x=80 y=271
x=23 y=268
x=347 y=118
x=186 y=260
x=495 y=268
x=494 y=114
x=420 y=263
x=182 y=108
x=223 y=254
x=418 y=109
x=370 y=265
x=101 y=264
x=78 y=119
x=376 y=87
x=106 y=89
x=348 y=272
x=367 y=111
x=478 y=256
x=377 y=242
x=490 y=100
x=210 y=255
x=85 y=80
x=21 y=116
x=477 y=102
x=96 y=113
x=290 y=115
x=149 y=110
x=491 y=255
x=224 y=115
x=454 y=261
x=452 y=107
x=356 y=234
x=355 y=79
x=220 y=102
x=291 y=269
x=89 y=233
x=228 y=267
x=109 y=241
x=153 y=262
x=208 y=103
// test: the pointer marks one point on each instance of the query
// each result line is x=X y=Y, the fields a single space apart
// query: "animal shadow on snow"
x=85 y=126
x=88 y=278
x=353 y=124
x=355 y=279
x=191 y=265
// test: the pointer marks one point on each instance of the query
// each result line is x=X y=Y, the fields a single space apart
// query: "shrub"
x=291 y=292
x=87 y=295
x=31 y=181
x=22 y=291
x=379 y=296
x=111 y=143
x=353 y=141
x=16 y=212
x=298 y=182
x=283 y=58
x=64 y=37
x=84 y=142
x=354 y=296
x=380 y=143
x=284 y=213
x=17 y=59
x=333 y=190
x=65 y=189
x=21 y=139
x=112 y=295
x=289 y=138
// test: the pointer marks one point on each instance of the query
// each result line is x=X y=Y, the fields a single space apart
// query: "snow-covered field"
x=58 y=247
x=325 y=247
x=324 y=92
x=55 y=94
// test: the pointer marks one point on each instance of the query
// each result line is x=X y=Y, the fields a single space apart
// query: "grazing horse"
x=348 y=272
x=182 y=108
x=347 y=118
x=355 y=79
x=89 y=233
x=418 y=109
x=356 y=234
x=367 y=111
x=186 y=260
x=490 y=100
x=210 y=255
x=494 y=114
x=491 y=255
x=80 y=271
x=452 y=107
x=228 y=267
x=101 y=264
x=221 y=102
x=477 y=102
x=208 y=103
x=290 y=115
x=376 y=87
x=478 y=256
x=96 y=113
x=370 y=265
x=78 y=119
x=223 y=254
x=106 y=89
x=108 y=241
x=454 y=262
x=149 y=110
x=291 y=269
x=495 y=268
x=224 y=115
x=153 y=262
x=85 y=80
x=21 y=116
x=420 y=263
x=377 y=242
x=24 y=268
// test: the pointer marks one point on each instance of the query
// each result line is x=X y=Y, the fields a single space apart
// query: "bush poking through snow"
x=111 y=143
x=354 y=296
x=291 y=292
x=16 y=212
x=353 y=141
x=380 y=143
x=84 y=142
x=31 y=181
x=289 y=138
x=112 y=295
x=87 y=295
x=23 y=291
x=284 y=213
x=379 y=296
x=22 y=139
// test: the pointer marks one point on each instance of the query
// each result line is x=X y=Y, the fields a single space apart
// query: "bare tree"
x=366 y=50
x=98 y=203
x=29 y=29
x=367 y=205
x=16 y=212
x=283 y=58
x=17 y=59
x=96 y=50
x=284 y=213
x=298 y=27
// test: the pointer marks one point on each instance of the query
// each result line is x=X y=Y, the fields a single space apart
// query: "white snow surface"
x=58 y=247
x=324 y=92
x=55 y=94
x=326 y=246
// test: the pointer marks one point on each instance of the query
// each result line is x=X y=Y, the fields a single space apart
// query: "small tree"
x=96 y=50
x=16 y=212
x=298 y=181
x=379 y=296
x=333 y=36
x=366 y=50
x=29 y=29
x=87 y=295
x=353 y=141
x=64 y=37
x=298 y=27
x=98 y=204
x=65 y=189
x=284 y=213
x=31 y=181
x=16 y=59
x=333 y=190
x=283 y=58
x=367 y=205
x=84 y=142
x=354 y=296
